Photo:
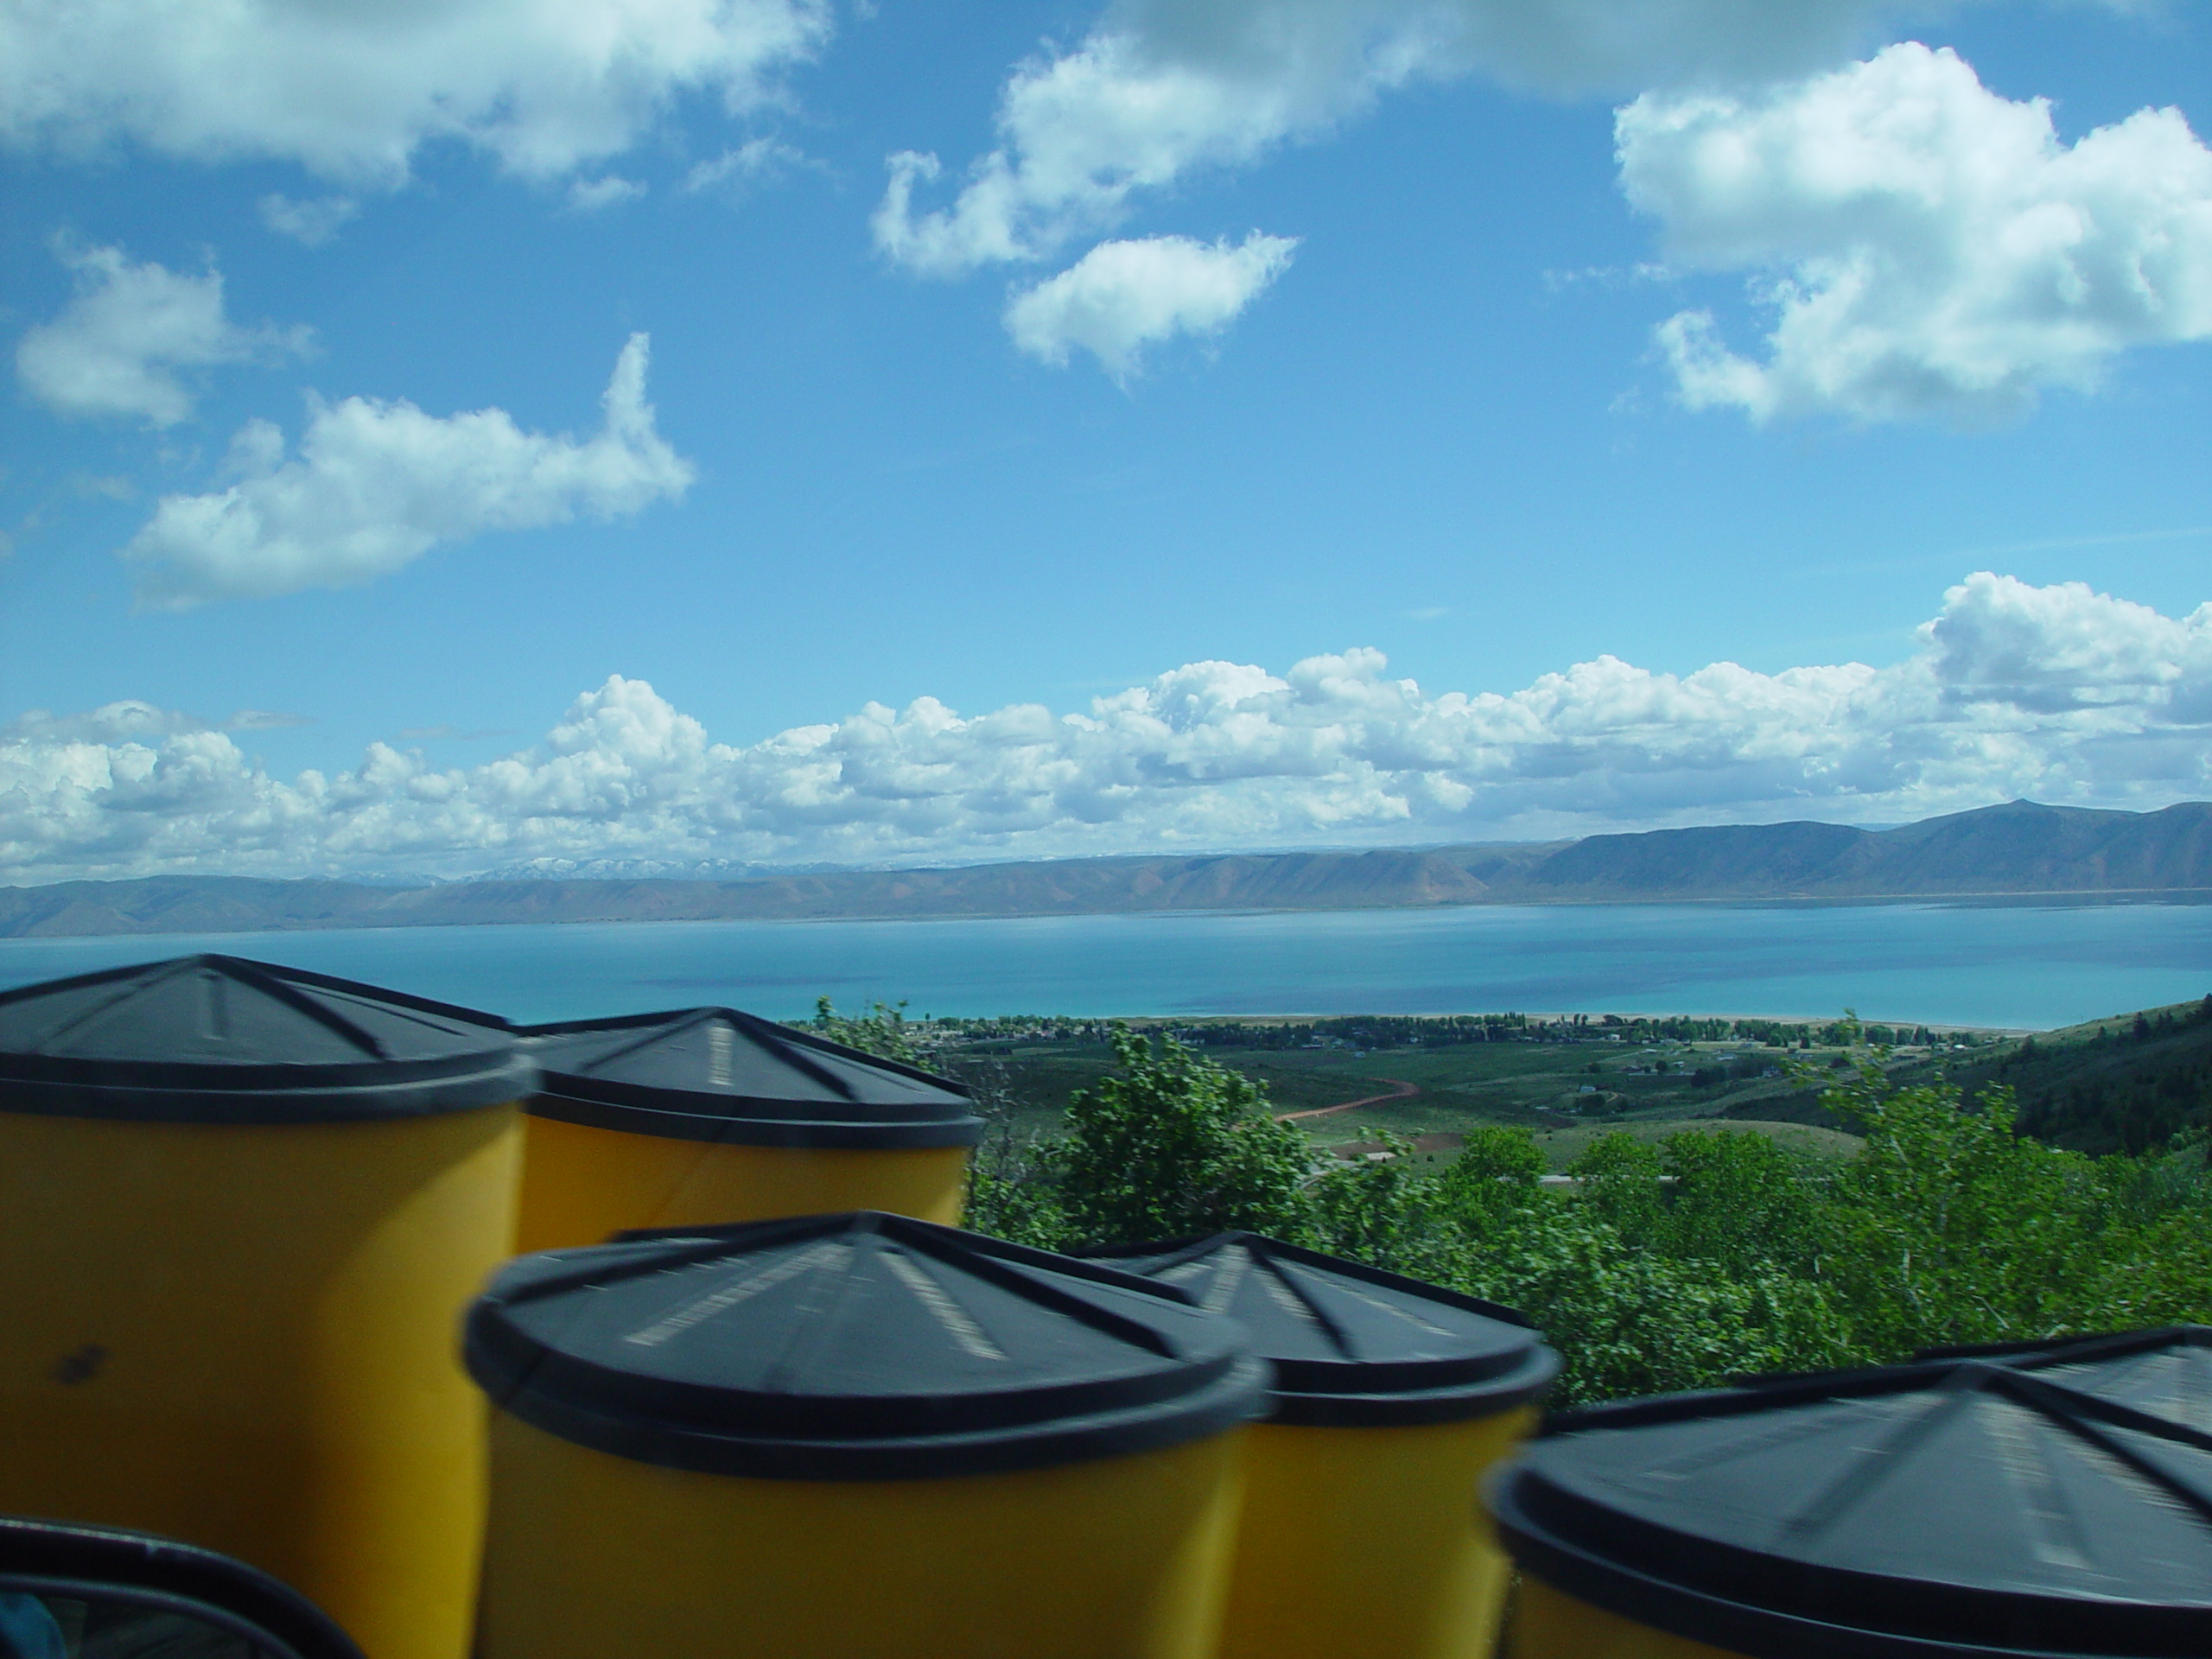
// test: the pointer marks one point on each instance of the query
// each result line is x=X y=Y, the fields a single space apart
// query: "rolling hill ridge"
x=2021 y=849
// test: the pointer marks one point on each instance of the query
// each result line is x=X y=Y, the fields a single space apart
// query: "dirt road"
x=1399 y=1091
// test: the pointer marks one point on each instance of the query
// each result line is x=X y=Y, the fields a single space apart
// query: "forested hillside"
x=2122 y=1085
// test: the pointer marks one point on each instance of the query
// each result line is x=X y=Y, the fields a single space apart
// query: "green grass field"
x=2120 y=1080
x=1567 y=1092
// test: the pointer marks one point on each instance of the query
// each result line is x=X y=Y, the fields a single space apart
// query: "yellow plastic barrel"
x=854 y=1437
x=1361 y=1538
x=242 y=1209
x=2023 y=1506
x=710 y=1115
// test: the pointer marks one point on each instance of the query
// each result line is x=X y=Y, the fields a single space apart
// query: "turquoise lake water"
x=2032 y=965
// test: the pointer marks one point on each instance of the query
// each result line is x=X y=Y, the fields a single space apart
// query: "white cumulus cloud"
x=376 y=484
x=2058 y=693
x=1925 y=247
x=130 y=328
x=755 y=160
x=352 y=91
x=314 y=222
x=1160 y=88
x=608 y=190
x=1122 y=296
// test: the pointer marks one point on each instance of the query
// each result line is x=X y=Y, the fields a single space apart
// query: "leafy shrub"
x=1170 y=1144
x=883 y=1030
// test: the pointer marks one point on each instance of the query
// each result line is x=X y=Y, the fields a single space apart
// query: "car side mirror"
x=77 y=1592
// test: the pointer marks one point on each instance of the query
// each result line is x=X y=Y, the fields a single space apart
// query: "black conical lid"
x=1352 y=1345
x=1996 y=1506
x=716 y=1074
x=219 y=1039
x=853 y=1347
x=2164 y=1374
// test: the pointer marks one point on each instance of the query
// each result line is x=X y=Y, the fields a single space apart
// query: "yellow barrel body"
x=1367 y=1544
x=244 y=1335
x=582 y=1183
x=1361 y=1537
x=1548 y=1624
x=597 y=1557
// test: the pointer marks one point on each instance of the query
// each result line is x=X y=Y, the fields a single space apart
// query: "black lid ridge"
x=2011 y=1502
x=1354 y=1345
x=860 y=1346
x=213 y=1038
x=716 y=1074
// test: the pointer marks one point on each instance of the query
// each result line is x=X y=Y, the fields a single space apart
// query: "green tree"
x=2159 y=1274
x=1496 y=1179
x=1390 y=1212
x=1012 y=1195
x=1591 y=1266
x=1740 y=1202
x=883 y=1030
x=1172 y=1143
x=1950 y=1228
x=1618 y=1178
x=1629 y=1320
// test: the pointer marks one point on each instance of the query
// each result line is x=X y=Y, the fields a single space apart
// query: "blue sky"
x=1489 y=339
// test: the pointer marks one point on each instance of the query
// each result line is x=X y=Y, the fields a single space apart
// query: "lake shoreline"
x=1984 y=967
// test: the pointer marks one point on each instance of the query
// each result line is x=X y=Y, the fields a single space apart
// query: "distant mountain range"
x=2020 y=849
